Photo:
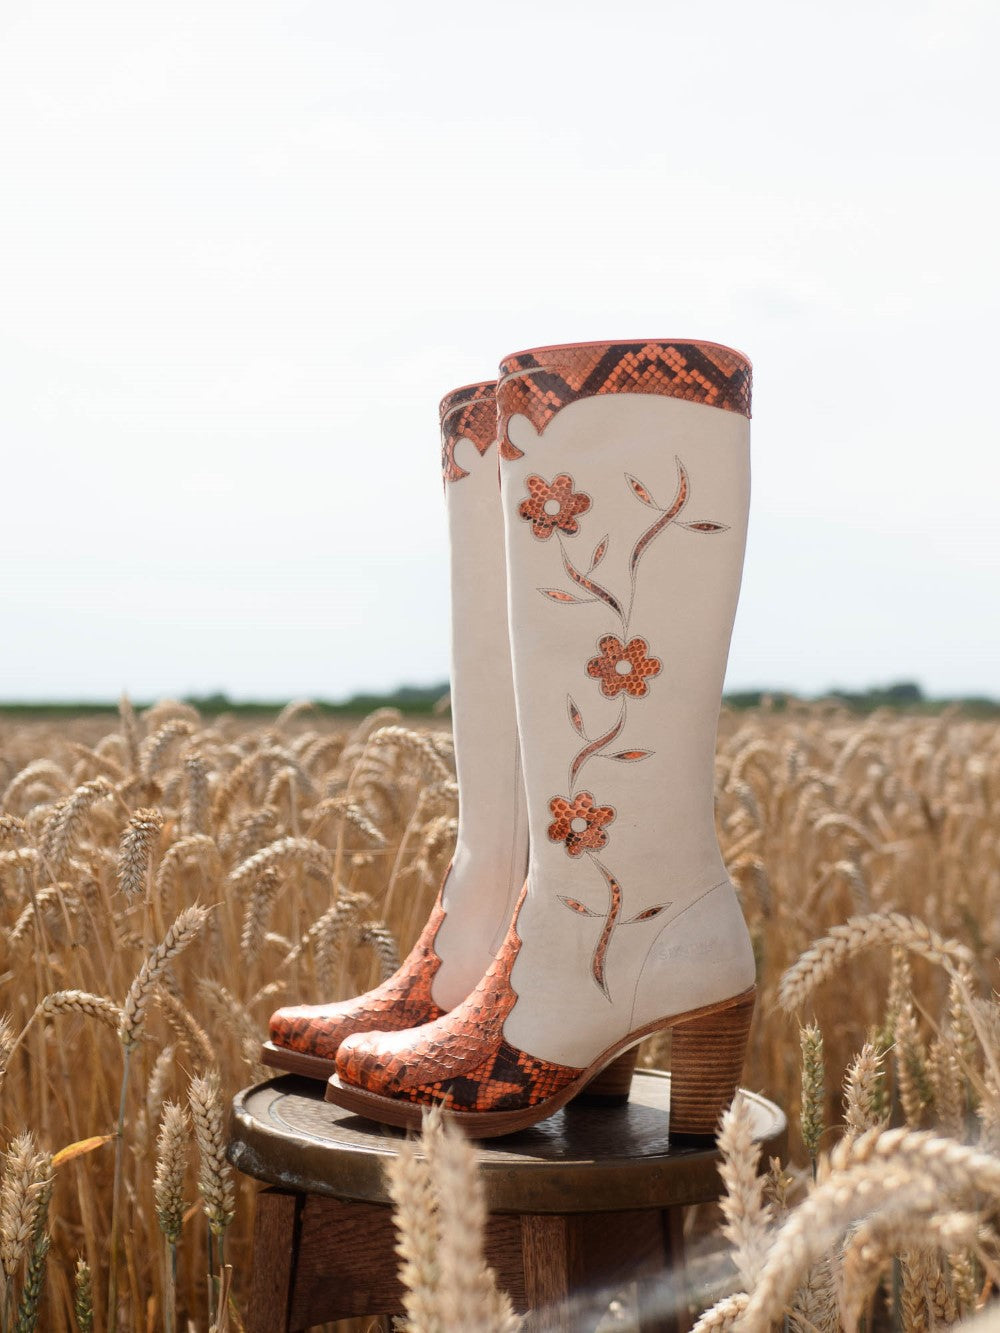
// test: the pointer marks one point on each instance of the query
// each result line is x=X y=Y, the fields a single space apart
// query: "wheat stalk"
x=61 y=833
x=724 y=1316
x=171 y=1164
x=136 y=851
x=825 y=955
x=813 y=1090
x=83 y=1297
x=316 y=859
x=415 y=1207
x=468 y=1296
x=215 y=1177
x=863 y=1091
x=184 y=929
x=747 y=1217
x=24 y=1192
x=154 y=750
x=26 y=1318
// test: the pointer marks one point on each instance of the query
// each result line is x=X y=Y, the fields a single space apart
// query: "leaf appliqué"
x=705 y=525
x=575 y=717
x=582 y=581
x=647 y=915
x=575 y=906
x=593 y=747
x=610 y=921
x=667 y=516
x=641 y=491
x=600 y=551
x=630 y=756
x=564 y=598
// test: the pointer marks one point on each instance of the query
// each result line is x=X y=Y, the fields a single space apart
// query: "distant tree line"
x=421 y=700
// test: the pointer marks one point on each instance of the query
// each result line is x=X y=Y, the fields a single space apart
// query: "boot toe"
x=309 y=1029
x=374 y=1061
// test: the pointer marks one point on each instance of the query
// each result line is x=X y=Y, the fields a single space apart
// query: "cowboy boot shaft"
x=625 y=483
x=487 y=873
x=490 y=859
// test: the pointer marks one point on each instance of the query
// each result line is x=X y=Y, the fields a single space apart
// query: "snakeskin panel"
x=468 y=413
x=461 y=1061
x=402 y=1001
x=536 y=384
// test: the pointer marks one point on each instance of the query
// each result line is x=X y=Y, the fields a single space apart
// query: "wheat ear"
x=864 y=1092
x=468 y=1294
x=415 y=1205
x=215 y=1177
x=825 y=955
x=812 y=1116
x=746 y=1216
x=723 y=1316
x=136 y=851
x=24 y=1192
x=175 y=941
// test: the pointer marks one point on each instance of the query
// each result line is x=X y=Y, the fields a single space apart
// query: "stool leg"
x=275 y=1254
x=662 y=1299
x=545 y=1253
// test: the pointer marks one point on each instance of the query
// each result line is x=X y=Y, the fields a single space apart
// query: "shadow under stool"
x=581 y=1205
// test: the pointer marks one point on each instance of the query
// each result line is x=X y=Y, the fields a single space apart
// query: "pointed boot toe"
x=304 y=1039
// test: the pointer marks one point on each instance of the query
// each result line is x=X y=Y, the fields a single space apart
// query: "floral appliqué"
x=551 y=507
x=623 y=666
x=579 y=823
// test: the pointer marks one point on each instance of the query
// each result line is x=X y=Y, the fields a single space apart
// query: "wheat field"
x=167 y=879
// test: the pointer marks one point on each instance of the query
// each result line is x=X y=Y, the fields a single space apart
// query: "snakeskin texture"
x=536 y=384
x=402 y=1001
x=461 y=1061
x=468 y=413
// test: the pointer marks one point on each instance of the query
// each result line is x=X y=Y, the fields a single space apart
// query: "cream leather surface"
x=492 y=847
x=588 y=972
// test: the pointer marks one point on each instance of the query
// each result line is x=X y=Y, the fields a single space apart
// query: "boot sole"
x=297 y=1062
x=709 y=1045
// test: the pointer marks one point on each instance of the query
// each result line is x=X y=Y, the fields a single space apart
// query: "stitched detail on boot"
x=664 y=930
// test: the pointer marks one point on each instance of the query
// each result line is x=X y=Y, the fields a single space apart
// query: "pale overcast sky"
x=246 y=247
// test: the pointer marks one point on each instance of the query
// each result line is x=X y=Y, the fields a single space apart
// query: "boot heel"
x=611 y=1086
x=705 y=1066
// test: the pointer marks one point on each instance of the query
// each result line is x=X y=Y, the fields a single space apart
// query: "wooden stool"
x=586 y=1199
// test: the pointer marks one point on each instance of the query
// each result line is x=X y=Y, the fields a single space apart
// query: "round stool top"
x=582 y=1159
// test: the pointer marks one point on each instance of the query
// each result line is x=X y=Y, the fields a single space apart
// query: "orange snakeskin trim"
x=539 y=382
x=468 y=413
x=402 y=1001
x=460 y=1061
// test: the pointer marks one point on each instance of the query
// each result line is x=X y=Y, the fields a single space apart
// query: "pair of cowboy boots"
x=587 y=905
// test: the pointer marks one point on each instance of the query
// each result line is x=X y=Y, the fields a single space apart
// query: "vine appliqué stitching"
x=623 y=666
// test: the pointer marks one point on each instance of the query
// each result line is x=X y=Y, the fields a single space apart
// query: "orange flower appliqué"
x=579 y=823
x=623 y=666
x=553 y=506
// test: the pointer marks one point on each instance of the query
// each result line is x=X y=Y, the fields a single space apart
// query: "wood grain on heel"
x=705 y=1066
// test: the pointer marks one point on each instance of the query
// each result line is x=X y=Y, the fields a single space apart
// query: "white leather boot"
x=476 y=903
x=626 y=487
